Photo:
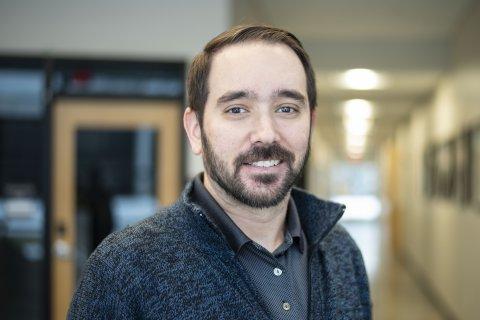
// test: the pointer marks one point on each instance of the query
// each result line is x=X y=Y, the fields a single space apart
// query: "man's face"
x=256 y=124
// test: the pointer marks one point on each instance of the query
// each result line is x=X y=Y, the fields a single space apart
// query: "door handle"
x=62 y=249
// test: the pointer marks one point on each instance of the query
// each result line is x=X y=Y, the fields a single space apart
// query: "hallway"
x=395 y=293
x=92 y=95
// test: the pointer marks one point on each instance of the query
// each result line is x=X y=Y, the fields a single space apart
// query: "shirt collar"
x=233 y=234
x=294 y=226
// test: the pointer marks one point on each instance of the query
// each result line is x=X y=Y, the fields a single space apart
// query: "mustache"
x=271 y=151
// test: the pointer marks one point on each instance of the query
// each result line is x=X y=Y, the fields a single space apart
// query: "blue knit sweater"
x=177 y=265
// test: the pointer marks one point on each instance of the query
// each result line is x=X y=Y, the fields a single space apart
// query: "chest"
x=208 y=287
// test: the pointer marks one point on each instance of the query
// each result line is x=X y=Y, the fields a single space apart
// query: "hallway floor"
x=395 y=294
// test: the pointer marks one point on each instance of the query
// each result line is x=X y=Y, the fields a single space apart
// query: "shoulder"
x=339 y=241
x=342 y=254
x=141 y=245
x=345 y=266
x=153 y=258
x=311 y=202
x=339 y=236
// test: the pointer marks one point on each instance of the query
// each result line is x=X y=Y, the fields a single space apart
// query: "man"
x=240 y=243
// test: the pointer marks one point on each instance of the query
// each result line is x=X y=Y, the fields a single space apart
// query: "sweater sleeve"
x=362 y=280
x=350 y=273
x=101 y=294
x=365 y=312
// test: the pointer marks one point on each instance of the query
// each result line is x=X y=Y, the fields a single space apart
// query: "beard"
x=233 y=185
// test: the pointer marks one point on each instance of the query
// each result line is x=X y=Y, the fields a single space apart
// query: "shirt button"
x=286 y=306
x=277 y=272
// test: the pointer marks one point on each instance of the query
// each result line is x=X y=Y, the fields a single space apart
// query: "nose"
x=264 y=130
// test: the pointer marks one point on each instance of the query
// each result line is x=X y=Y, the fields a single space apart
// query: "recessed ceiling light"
x=355 y=149
x=355 y=156
x=361 y=79
x=357 y=126
x=356 y=140
x=358 y=108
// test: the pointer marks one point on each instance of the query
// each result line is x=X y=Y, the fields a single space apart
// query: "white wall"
x=145 y=28
x=440 y=236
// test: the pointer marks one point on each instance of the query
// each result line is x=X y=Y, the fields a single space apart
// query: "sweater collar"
x=317 y=216
x=234 y=235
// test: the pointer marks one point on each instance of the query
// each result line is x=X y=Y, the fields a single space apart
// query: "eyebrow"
x=288 y=93
x=234 y=95
x=281 y=93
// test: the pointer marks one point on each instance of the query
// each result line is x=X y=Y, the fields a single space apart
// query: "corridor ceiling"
x=408 y=42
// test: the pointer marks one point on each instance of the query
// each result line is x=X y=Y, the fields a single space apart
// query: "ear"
x=193 y=130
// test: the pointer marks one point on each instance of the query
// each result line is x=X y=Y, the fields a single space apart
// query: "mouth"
x=270 y=159
x=264 y=163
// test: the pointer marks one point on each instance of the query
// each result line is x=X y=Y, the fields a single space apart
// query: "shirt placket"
x=285 y=304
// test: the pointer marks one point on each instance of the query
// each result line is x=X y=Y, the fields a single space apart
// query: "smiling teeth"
x=266 y=164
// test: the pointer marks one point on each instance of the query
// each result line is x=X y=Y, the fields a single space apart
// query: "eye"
x=286 y=109
x=236 y=110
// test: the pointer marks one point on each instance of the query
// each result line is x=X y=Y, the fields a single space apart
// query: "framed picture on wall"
x=435 y=171
x=428 y=171
x=464 y=167
x=475 y=143
x=442 y=164
x=450 y=178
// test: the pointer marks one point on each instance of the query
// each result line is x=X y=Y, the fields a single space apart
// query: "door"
x=114 y=161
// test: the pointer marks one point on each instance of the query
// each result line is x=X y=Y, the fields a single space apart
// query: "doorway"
x=114 y=162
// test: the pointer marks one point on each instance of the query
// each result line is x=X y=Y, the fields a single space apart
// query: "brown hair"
x=197 y=81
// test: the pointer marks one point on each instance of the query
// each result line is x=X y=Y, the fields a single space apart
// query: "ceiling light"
x=361 y=79
x=355 y=156
x=356 y=140
x=357 y=126
x=358 y=108
x=355 y=149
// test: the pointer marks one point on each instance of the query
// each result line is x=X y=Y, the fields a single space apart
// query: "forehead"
x=256 y=66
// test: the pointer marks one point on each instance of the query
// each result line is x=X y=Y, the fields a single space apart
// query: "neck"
x=265 y=226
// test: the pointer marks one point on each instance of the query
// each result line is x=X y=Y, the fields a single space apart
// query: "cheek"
x=301 y=147
x=225 y=141
x=297 y=137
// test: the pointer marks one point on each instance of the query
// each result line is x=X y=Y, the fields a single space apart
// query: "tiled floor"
x=395 y=294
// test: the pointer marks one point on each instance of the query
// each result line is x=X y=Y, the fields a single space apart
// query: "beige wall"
x=319 y=166
x=442 y=237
